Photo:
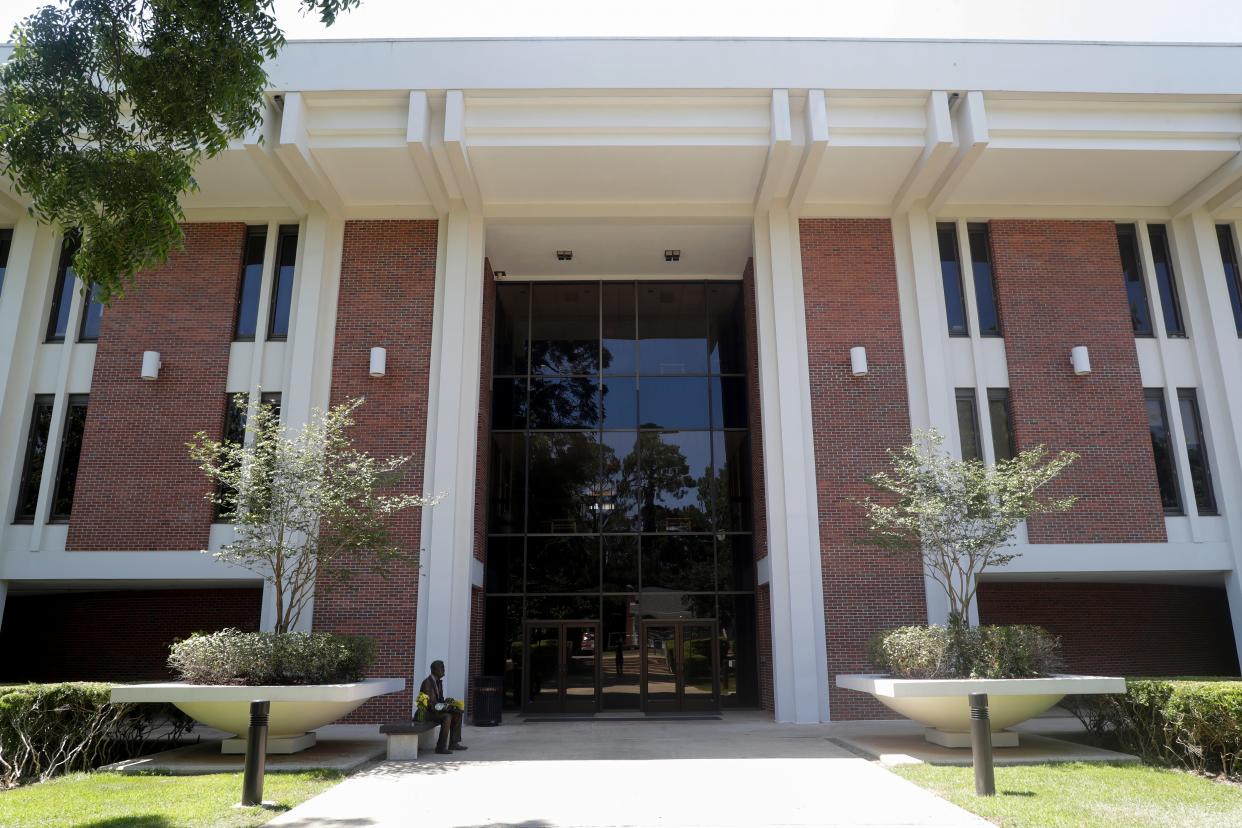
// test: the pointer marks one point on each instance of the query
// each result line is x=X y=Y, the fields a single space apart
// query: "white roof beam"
x=258 y=144
x=293 y=150
x=816 y=122
x=937 y=152
x=970 y=124
x=780 y=150
x=455 y=149
x=418 y=140
x=1218 y=189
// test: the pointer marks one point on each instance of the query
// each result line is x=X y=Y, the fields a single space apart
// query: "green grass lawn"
x=1087 y=794
x=111 y=800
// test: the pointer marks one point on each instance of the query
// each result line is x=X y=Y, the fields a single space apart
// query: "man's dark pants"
x=450 y=722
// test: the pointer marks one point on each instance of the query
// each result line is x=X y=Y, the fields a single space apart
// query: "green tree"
x=108 y=106
x=961 y=514
x=308 y=509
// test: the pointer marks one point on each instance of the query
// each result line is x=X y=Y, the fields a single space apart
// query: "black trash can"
x=488 y=699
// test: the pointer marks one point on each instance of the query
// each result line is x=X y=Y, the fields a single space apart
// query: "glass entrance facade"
x=620 y=486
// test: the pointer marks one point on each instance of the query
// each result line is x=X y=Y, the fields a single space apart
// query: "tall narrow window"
x=968 y=424
x=1001 y=418
x=985 y=280
x=62 y=293
x=251 y=283
x=36 y=454
x=1162 y=449
x=234 y=433
x=1233 y=277
x=92 y=317
x=70 y=451
x=6 y=241
x=282 y=288
x=1140 y=313
x=271 y=398
x=1166 y=282
x=1196 y=451
x=951 y=275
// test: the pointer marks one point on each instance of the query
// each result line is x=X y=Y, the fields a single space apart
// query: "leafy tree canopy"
x=108 y=106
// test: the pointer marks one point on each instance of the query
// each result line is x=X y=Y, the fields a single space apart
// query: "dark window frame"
x=254 y=234
x=1001 y=395
x=983 y=256
x=1128 y=242
x=1233 y=280
x=72 y=401
x=65 y=280
x=947 y=227
x=6 y=246
x=287 y=235
x=1156 y=395
x=967 y=395
x=1205 y=496
x=1166 y=280
x=25 y=483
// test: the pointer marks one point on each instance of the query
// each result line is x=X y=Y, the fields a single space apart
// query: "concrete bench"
x=405 y=738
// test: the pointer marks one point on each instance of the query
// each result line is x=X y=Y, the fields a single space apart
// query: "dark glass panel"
x=1002 y=423
x=673 y=402
x=6 y=241
x=565 y=402
x=735 y=563
x=502 y=645
x=729 y=404
x=619 y=403
x=662 y=604
x=92 y=317
x=678 y=562
x=1162 y=449
x=951 y=276
x=621 y=653
x=564 y=482
x=1166 y=281
x=620 y=563
x=672 y=329
x=672 y=465
x=739 y=656
x=62 y=293
x=509 y=403
x=543 y=648
x=1233 y=276
x=565 y=564
x=234 y=432
x=968 y=425
x=504 y=568
x=251 y=284
x=1197 y=452
x=36 y=457
x=565 y=329
x=555 y=607
x=620 y=489
x=1136 y=291
x=272 y=400
x=506 y=480
x=70 y=451
x=725 y=328
x=620 y=346
x=512 y=329
x=985 y=281
x=729 y=487
x=282 y=289
x=698 y=666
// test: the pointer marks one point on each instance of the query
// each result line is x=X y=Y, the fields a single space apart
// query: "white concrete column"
x=799 y=649
x=447 y=560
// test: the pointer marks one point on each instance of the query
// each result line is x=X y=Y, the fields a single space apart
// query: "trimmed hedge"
x=934 y=652
x=257 y=658
x=1193 y=723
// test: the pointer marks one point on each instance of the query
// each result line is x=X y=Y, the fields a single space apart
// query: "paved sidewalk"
x=742 y=771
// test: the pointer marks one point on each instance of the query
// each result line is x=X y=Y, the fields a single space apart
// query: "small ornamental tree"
x=309 y=509
x=961 y=514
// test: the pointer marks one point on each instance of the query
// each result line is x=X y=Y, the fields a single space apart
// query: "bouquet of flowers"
x=450 y=704
x=420 y=709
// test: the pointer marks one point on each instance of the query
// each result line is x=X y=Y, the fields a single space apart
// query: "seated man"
x=440 y=710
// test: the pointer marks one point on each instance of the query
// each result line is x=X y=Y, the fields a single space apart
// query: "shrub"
x=1193 y=723
x=254 y=658
x=958 y=651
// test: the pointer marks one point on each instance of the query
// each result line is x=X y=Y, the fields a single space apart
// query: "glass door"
x=680 y=667
x=562 y=667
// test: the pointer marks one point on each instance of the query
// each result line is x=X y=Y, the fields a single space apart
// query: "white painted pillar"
x=799 y=649
x=443 y=631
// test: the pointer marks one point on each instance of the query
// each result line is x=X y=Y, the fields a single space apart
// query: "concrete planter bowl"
x=941 y=704
x=296 y=711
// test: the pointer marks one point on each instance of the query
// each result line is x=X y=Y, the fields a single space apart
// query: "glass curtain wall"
x=619 y=475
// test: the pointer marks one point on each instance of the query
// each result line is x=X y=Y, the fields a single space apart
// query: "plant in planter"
x=960 y=515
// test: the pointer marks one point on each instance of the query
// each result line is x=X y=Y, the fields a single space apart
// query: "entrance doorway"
x=562 y=667
x=680 y=666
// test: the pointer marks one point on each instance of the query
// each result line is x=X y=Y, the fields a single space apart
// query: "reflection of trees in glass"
x=564 y=356
x=564 y=402
x=657 y=475
x=563 y=471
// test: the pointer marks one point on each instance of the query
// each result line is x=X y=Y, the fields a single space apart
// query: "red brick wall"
x=388 y=271
x=137 y=487
x=850 y=284
x=1060 y=284
x=1123 y=629
x=763 y=609
x=112 y=636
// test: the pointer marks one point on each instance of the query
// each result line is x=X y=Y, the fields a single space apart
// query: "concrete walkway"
x=742 y=771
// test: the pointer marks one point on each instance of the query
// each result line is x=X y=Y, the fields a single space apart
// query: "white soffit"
x=231 y=179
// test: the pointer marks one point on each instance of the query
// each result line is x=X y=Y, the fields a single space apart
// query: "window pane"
x=508 y=403
x=1002 y=423
x=739 y=651
x=553 y=607
x=36 y=455
x=678 y=562
x=504 y=564
x=968 y=425
x=735 y=563
x=570 y=402
x=565 y=329
x=672 y=467
x=673 y=402
x=672 y=329
x=564 y=482
x=951 y=275
x=502 y=645
x=620 y=489
x=620 y=563
x=985 y=281
x=1140 y=315
x=272 y=400
x=6 y=241
x=1162 y=449
x=567 y=564
x=725 y=328
x=1233 y=277
x=1196 y=452
x=70 y=451
x=62 y=294
x=512 y=329
x=729 y=408
x=620 y=351
x=235 y=433
x=729 y=490
x=251 y=282
x=619 y=403
x=506 y=480
x=92 y=317
x=282 y=290
x=1166 y=282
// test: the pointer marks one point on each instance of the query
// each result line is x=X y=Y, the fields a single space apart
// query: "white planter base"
x=955 y=739
x=275 y=745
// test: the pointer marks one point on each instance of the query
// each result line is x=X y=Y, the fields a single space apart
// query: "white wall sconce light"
x=1081 y=360
x=858 y=361
x=151 y=365
x=379 y=362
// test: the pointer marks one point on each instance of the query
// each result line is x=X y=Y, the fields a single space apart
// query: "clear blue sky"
x=1133 y=20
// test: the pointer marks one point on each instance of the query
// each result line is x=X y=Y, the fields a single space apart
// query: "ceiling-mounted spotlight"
x=672 y=255
x=564 y=255
x=499 y=274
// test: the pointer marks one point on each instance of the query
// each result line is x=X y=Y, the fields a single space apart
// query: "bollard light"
x=1081 y=360
x=981 y=745
x=379 y=361
x=151 y=365
x=256 y=755
x=858 y=361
